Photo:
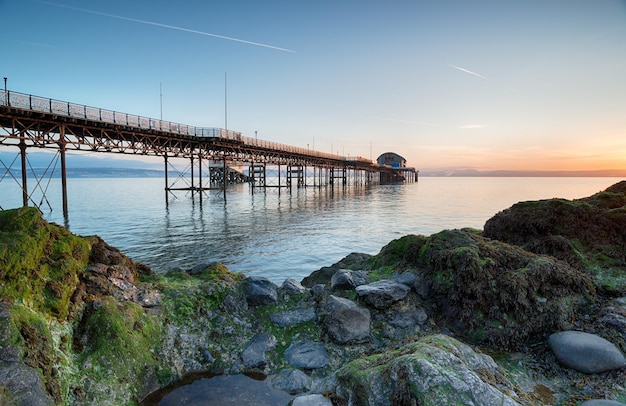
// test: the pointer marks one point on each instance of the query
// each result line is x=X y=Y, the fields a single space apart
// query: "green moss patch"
x=30 y=332
x=119 y=344
x=490 y=291
x=187 y=297
x=587 y=233
x=431 y=371
x=40 y=263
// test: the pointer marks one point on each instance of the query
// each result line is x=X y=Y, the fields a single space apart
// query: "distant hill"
x=78 y=165
x=503 y=173
x=109 y=165
x=90 y=173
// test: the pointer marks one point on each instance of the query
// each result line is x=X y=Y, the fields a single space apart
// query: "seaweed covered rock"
x=76 y=314
x=493 y=292
x=40 y=263
x=588 y=233
x=22 y=383
x=435 y=370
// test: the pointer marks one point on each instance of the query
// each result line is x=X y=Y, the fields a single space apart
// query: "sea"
x=279 y=233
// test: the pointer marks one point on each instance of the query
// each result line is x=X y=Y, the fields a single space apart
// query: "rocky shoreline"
x=531 y=310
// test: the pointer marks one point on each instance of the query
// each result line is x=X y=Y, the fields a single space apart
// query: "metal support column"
x=166 y=179
x=63 y=172
x=252 y=174
x=200 y=173
x=225 y=177
x=24 y=177
x=192 y=176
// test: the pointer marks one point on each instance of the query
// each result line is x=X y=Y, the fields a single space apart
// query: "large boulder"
x=586 y=352
x=345 y=321
x=311 y=400
x=587 y=233
x=436 y=370
x=292 y=381
x=490 y=291
x=292 y=287
x=21 y=384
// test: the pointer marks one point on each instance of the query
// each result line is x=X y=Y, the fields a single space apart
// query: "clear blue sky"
x=536 y=84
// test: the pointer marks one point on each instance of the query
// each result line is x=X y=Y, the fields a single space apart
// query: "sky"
x=489 y=85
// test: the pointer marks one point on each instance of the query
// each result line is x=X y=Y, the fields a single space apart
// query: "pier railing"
x=68 y=109
x=63 y=108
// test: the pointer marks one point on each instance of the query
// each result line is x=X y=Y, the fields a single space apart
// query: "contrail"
x=172 y=27
x=37 y=44
x=468 y=71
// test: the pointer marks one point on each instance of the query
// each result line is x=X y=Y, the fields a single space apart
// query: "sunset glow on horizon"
x=486 y=85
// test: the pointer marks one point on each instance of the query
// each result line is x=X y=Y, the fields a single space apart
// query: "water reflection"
x=286 y=234
x=221 y=390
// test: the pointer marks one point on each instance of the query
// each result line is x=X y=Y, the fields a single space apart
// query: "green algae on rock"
x=40 y=263
x=588 y=233
x=62 y=317
x=493 y=292
x=432 y=371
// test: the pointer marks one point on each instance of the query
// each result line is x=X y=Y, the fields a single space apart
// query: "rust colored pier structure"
x=28 y=121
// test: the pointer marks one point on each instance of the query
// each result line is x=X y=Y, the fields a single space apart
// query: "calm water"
x=281 y=235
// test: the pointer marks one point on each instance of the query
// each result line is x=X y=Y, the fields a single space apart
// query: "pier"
x=28 y=121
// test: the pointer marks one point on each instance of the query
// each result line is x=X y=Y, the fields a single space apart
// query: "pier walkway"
x=28 y=121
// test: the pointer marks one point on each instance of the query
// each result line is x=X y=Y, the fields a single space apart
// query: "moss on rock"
x=490 y=291
x=587 y=233
x=432 y=371
x=119 y=344
x=187 y=296
x=40 y=263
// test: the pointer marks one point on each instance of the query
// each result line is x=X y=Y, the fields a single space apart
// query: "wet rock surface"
x=253 y=354
x=435 y=370
x=261 y=291
x=586 y=352
x=346 y=321
x=307 y=354
x=382 y=294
